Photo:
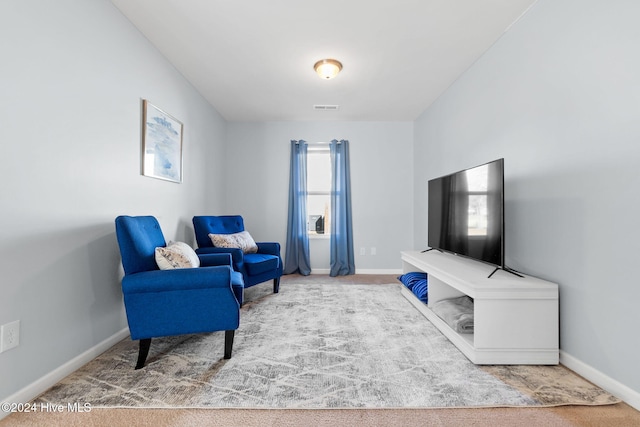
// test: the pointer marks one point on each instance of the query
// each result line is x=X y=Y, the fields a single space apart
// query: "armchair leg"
x=228 y=343
x=276 y=285
x=145 y=344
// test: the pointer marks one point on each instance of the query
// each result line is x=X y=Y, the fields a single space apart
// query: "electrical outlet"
x=9 y=336
x=362 y=251
x=373 y=250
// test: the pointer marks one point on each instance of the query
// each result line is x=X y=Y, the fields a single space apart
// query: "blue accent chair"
x=256 y=268
x=162 y=303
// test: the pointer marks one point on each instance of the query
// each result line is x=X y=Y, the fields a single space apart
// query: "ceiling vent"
x=326 y=107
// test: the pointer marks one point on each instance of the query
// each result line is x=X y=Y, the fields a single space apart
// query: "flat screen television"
x=466 y=213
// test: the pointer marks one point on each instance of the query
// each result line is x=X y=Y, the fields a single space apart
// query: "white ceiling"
x=253 y=59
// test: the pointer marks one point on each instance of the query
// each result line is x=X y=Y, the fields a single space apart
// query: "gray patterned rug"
x=331 y=345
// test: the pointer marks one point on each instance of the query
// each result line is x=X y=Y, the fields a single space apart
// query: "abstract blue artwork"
x=161 y=144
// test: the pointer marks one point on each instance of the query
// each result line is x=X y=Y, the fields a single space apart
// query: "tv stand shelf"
x=515 y=318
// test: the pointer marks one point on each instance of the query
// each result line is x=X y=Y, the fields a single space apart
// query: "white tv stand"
x=515 y=318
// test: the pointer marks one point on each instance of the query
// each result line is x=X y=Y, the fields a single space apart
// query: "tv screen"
x=466 y=213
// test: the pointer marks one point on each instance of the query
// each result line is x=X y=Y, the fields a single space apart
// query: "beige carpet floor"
x=618 y=415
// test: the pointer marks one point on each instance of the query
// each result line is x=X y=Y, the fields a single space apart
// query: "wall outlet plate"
x=9 y=335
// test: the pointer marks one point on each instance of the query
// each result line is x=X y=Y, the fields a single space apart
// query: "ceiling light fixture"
x=327 y=68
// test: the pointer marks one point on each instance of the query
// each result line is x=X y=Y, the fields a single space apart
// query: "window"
x=318 y=190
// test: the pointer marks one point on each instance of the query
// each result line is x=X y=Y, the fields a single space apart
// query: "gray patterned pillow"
x=176 y=255
x=242 y=240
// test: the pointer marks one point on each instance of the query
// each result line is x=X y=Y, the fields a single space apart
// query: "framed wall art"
x=161 y=144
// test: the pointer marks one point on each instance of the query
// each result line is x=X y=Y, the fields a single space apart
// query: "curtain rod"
x=318 y=143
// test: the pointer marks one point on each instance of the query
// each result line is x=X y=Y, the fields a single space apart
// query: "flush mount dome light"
x=327 y=68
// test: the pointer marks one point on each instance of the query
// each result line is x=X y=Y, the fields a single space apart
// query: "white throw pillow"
x=176 y=255
x=242 y=240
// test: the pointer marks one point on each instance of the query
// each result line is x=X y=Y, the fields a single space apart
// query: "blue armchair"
x=256 y=268
x=162 y=303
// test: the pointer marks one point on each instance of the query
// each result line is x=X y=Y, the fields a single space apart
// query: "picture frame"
x=161 y=144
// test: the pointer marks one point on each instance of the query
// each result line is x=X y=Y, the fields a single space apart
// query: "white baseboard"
x=614 y=387
x=378 y=271
x=360 y=271
x=41 y=385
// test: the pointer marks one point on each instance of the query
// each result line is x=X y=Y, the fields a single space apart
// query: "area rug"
x=314 y=346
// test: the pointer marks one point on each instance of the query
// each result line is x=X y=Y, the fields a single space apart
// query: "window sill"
x=319 y=236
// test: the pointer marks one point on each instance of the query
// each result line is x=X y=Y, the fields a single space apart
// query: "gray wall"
x=558 y=98
x=73 y=75
x=381 y=179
